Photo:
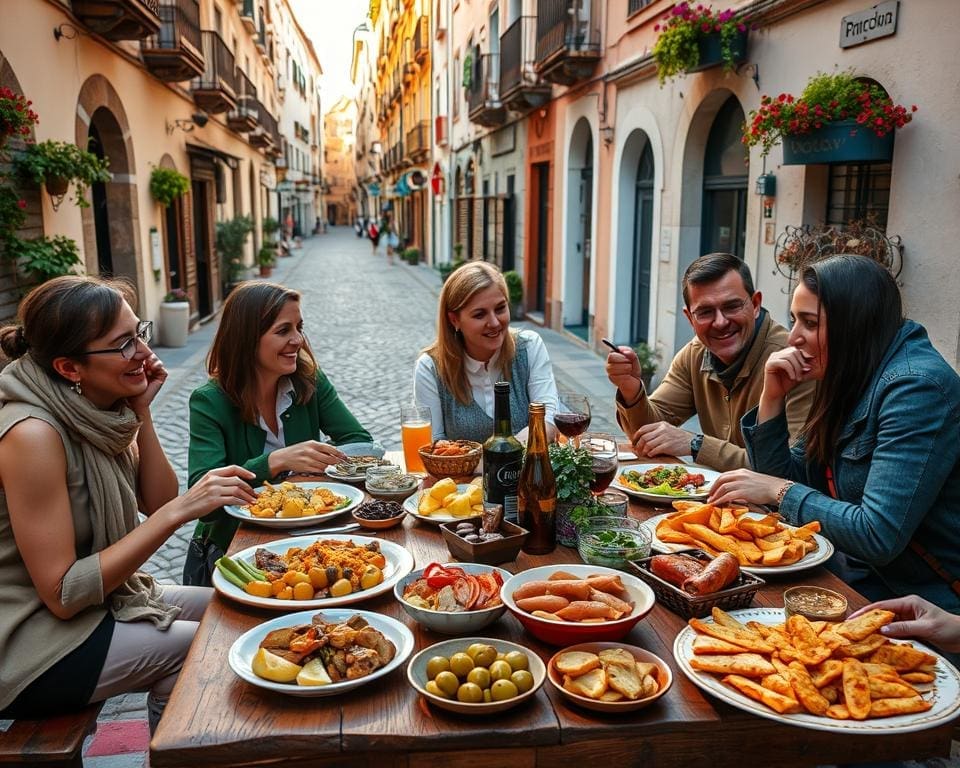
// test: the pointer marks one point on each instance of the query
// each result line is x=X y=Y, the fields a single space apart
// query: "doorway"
x=201 y=239
x=725 y=184
x=176 y=271
x=577 y=276
x=101 y=214
x=642 y=242
x=541 y=173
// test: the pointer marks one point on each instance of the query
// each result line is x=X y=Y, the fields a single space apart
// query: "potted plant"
x=16 y=117
x=515 y=293
x=573 y=471
x=56 y=164
x=269 y=227
x=174 y=318
x=697 y=38
x=266 y=259
x=649 y=359
x=45 y=257
x=412 y=256
x=167 y=184
x=836 y=119
x=231 y=239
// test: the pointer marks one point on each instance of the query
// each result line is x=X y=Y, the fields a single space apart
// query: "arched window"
x=725 y=172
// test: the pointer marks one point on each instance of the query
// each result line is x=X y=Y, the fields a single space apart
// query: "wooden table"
x=216 y=719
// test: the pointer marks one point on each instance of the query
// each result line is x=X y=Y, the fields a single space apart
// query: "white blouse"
x=541 y=386
x=285 y=392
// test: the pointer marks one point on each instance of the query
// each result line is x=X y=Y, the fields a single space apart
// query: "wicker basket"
x=452 y=466
x=738 y=595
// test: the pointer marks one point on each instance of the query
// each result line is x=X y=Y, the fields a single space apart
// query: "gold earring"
x=77 y=388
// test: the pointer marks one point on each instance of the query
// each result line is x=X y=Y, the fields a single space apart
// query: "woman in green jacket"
x=264 y=408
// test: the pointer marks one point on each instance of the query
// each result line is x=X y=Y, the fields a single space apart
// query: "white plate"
x=331 y=471
x=399 y=564
x=708 y=474
x=411 y=504
x=821 y=554
x=355 y=495
x=245 y=647
x=945 y=694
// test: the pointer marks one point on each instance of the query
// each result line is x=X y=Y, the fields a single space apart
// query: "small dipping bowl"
x=389 y=484
x=613 y=541
x=815 y=603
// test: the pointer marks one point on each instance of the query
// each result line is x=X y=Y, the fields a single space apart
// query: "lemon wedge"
x=271 y=667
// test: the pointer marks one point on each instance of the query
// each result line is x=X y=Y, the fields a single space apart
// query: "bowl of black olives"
x=378 y=514
x=467 y=541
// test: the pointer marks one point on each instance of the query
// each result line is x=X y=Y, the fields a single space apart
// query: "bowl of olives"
x=476 y=675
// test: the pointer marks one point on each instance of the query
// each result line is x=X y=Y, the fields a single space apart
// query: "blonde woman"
x=475 y=348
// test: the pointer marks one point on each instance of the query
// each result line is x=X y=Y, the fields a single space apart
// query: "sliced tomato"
x=489 y=589
x=467 y=591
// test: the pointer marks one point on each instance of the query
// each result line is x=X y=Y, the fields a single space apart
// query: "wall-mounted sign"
x=863 y=26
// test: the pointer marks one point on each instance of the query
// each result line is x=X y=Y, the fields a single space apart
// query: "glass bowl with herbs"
x=613 y=541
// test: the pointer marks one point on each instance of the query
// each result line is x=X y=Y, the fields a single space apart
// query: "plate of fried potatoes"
x=762 y=543
x=292 y=505
x=843 y=677
x=445 y=501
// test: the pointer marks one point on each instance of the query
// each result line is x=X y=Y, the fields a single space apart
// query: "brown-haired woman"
x=474 y=349
x=264 y=408
x=80 y=623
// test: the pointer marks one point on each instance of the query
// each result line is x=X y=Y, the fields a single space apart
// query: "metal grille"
x=635 y=5
x=859 y=192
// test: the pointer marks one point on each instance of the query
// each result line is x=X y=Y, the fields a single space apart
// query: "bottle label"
x=510 y=507
x=509 y=474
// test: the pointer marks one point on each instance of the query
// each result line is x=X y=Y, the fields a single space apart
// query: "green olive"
x=517 y=660
x=461 y=664
x=480 y=676
x=485 y=656
x=500 y=670
x=487 y=698
x=523 y=680
x=501 y=690
x=474 y=649
x=433 y=688
x=436 y=665
x=447 y=682
x=470 y=693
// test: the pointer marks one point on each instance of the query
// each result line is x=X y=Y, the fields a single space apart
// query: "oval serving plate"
x=354 y=495
x=245 y=647
x=399 y=564
x=700 y=493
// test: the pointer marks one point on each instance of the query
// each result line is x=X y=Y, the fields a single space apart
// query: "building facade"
x=367 y=153
x=339 y=162
x=182 y=84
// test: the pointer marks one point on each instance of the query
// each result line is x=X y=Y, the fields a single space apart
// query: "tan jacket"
x=691 y=387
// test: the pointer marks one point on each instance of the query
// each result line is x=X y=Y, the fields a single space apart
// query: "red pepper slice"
x=467 y=591
x=438 y=577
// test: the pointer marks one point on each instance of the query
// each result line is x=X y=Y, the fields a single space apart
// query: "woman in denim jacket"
x=879 y=461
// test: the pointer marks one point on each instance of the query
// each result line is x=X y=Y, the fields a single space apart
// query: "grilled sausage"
x=719 y=572
x=675 y=568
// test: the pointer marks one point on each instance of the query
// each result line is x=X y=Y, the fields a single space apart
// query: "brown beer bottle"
x=537 y=490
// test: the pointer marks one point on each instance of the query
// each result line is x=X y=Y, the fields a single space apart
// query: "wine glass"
x=603 y=451
x=573 y=416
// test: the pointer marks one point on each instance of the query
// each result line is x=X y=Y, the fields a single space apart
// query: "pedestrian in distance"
x=475 y=348
x=265 y=407
x=717 y=376
x=878 y=464
x=373 y=232
x=80 y=622
x=393 y=239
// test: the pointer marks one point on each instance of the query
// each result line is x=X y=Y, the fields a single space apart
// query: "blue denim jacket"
x=897 y=472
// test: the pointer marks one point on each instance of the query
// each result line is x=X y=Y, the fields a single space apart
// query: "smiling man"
x=718 y=375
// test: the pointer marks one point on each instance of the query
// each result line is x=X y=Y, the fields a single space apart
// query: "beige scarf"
x=106 y=442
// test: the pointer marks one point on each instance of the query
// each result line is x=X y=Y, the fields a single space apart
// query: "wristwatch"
x=695 y=445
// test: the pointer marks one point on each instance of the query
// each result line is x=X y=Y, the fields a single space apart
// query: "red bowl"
x=571 y=632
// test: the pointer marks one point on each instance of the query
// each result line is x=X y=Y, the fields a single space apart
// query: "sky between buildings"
x=330 y=25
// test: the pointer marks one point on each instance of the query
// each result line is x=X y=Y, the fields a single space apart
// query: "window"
x=635 y=5
x=859 y=192
x=456 y=87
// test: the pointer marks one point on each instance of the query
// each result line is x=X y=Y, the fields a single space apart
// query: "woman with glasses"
x=878 y=464
x=265 y=408
x=79 y=458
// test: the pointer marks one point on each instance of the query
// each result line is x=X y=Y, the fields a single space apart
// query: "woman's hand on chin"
x=155 y=374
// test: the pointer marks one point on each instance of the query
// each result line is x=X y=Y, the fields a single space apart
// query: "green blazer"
x=218 y=437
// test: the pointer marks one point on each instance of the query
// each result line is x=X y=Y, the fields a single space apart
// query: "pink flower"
x=21 y=204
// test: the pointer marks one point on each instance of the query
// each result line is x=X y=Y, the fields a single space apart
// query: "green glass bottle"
x=502 y=457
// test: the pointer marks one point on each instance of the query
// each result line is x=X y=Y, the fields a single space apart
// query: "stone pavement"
x=367 y=323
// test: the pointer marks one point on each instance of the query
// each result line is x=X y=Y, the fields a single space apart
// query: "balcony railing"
x=418 y=140
x=215 y=90
x=520 y=86
x=421 y=39
x=568 y=39
x=117 y=19
x=175 y=53
x=483 y=95
x=244 y=117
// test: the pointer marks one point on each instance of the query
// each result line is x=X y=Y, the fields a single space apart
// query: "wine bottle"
x=502 y=457
x=537 y=491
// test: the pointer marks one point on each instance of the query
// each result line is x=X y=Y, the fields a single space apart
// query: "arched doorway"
x=111 y=224
x=642 y=243
x=725 y=170
x=577 y=266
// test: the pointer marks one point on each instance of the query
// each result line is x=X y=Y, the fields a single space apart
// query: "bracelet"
x=783 y=492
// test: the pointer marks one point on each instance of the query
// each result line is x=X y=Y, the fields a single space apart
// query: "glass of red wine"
x=604 y=453
x=573 y=416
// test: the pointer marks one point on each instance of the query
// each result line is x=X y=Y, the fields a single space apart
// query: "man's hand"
x=623 y=370
x=661 y=439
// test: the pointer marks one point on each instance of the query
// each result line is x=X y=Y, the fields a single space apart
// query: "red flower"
x=21 y=204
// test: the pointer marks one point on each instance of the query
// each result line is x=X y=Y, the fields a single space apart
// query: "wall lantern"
x=767 y=189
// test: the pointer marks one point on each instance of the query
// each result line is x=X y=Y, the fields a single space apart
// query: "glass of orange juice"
x=415 y=432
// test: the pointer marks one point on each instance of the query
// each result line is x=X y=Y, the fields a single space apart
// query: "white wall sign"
x=875 y=22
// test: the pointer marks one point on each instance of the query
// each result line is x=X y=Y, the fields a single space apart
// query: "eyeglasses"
x=129 y=347
x=728 y=310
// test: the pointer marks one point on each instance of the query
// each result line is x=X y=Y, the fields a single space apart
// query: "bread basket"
x=452 y=466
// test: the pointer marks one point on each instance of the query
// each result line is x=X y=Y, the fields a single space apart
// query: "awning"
x=205 y=150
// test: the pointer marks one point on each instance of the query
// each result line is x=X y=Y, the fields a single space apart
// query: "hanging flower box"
x=712 y=53
x=842 y=142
